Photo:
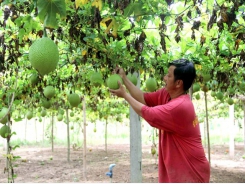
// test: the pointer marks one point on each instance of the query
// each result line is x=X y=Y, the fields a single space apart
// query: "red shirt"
x=181 y=154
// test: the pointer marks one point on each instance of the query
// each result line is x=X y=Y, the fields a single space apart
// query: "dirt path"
x=41 y=165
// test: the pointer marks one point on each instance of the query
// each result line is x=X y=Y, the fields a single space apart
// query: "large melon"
x=96 y=79
x=132 y=78
x=49 y=91
x=4 y=130
x=112 y=81
x=74 y=99
x=44 y=55
x=151 y=84
x=46 y=103
x=3 y=113
x=29 y=115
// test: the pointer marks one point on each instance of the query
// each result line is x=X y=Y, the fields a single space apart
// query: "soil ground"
x=41 y=165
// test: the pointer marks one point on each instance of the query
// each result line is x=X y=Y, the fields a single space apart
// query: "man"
x=170 y=109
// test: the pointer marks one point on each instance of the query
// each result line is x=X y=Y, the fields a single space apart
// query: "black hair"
x=185 y=71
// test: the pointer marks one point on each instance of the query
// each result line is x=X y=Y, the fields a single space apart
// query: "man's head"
x=185 y=71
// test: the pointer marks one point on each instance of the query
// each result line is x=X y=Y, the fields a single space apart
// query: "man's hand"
x=120 y=92
x=120 y=72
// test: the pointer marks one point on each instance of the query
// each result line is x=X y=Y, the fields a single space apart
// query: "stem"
x=44 y=32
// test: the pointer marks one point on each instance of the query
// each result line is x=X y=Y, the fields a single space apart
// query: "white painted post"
x=232 y=132
x=84 y=141
x=135 y=145
x=135 y=148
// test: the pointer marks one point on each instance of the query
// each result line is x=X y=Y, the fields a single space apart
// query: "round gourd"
x=74 y=99
x=206 y=77
x=3 y=112
x=39 y=109
x=219 y=95
x=61 y=111
x=44 y=55
x=29 y=115
x=43 y=113
x=132 y=78
x=60 y=117
x=213 y=94
x=198 y=96
x=230 y=101
x=46 y=103
x=72 y=114
x=196 y=87
x=151 y=84
x=49 y=91
x=96 y=79
x=4 y=130
x=112 y=81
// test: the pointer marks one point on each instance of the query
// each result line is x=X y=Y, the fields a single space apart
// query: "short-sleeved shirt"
x=181 y=154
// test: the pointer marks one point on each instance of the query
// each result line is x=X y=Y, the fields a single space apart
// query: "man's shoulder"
x=182 y=101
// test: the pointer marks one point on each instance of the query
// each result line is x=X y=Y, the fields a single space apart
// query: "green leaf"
x=21 y=35
x=16 y=157
x=129 y=10
x=136 y=8
x=47 y=10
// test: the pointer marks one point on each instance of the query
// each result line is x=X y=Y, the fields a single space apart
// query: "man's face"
x=170 y=84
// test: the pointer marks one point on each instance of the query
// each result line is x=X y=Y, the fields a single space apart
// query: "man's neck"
x=177 y=94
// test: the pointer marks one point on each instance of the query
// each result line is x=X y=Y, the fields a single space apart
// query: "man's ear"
x=179 y=83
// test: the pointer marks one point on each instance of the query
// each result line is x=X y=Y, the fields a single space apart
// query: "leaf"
x=47 y=10
x=135 y=8
x=104 y=21
x=21 y=35
x=138 y=9
x=97 y=4
x=16 y=157
x=115 y=28
x=78 y=3
x=110 y=23
x=129 y=10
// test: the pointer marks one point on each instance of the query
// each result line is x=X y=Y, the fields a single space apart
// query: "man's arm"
x=121 y=92
x=134 y=103
x=135 y=92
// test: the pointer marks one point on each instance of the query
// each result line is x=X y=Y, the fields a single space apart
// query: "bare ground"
x=41 y=165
